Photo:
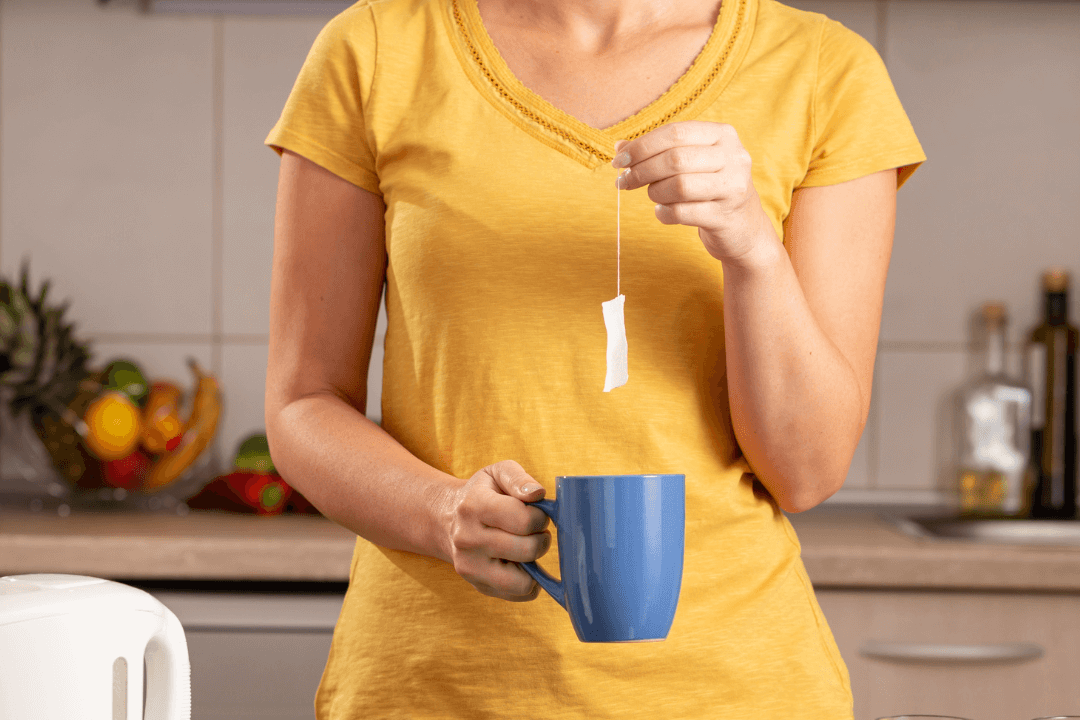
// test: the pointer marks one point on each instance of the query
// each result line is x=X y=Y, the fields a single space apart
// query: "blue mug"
x=620 y=554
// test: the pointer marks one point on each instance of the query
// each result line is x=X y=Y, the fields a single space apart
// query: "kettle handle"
x=168 y=671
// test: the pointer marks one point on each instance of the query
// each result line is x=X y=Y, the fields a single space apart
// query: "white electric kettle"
x=72 y=648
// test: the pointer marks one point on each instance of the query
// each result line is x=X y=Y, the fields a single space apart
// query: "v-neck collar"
x=695 y=89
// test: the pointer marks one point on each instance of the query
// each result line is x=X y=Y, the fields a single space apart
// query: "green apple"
x=254 y=455
x=126 y=377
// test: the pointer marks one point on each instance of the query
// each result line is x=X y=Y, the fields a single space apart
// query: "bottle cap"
x=994 y=314
x=1056 y=280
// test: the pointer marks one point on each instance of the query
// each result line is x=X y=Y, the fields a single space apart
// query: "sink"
x=993 y=530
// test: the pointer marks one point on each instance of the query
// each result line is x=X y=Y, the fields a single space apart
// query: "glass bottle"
x=995 y=431
x=1052 y=374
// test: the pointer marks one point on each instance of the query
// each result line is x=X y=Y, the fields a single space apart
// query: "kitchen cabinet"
x=261 y=654
x=254 y=655
x=259 y=596
x=924 y=652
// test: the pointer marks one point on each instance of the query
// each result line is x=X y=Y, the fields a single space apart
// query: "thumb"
x=512 y=480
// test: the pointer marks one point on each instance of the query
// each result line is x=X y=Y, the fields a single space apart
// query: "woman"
x=461 y=151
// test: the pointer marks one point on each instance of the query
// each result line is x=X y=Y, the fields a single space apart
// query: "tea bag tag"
x=616 y=343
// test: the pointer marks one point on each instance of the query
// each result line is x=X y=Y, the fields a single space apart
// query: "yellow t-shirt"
x=500 y=232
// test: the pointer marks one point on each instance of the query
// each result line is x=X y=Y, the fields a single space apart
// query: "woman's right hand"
x=491 y=529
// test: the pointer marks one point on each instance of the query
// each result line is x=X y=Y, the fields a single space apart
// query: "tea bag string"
x=618 y=226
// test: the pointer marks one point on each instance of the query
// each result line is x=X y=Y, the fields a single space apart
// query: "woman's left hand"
x=698 y=173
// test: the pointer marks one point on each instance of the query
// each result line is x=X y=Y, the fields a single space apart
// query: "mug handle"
x=553 y=587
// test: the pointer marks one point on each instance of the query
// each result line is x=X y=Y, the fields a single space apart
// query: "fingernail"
x=621 y=160
x=529 y=489
x=621 y=180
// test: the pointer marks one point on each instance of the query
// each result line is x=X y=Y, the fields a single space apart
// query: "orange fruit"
x=113 y=423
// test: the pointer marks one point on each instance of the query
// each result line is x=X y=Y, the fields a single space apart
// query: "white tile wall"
x=106 y=160
x=374 y=393
x=243 y=374
x=993 y=90
x=132 y=173
x=262 y=56
x=861 y=473
x=915 y=388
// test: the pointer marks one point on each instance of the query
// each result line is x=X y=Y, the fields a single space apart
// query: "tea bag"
x=616 y=343
x=614 y=320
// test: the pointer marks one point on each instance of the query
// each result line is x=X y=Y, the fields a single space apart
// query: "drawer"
x=984 y=656
x=254 y=656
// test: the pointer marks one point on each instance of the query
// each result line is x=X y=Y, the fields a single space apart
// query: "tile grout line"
x=924 y=346
x=1 y=135
x=891 y=496
x=882 y=18
x=873 y=425
x=941 y=346
x=176 y=338
x=217 y=199
x=217 y=212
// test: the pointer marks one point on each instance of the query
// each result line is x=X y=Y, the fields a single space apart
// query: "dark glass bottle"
x=1052 y=374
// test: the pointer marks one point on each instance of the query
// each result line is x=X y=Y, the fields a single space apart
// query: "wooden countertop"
x=842 y=548
x=202 y=545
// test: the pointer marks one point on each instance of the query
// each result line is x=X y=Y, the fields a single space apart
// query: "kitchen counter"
x=852 y=548
x=843 y=547
x=202 y=545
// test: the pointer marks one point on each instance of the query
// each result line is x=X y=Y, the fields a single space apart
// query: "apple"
x=127 y=472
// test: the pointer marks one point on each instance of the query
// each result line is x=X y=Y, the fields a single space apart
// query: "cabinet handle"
x=930 y=652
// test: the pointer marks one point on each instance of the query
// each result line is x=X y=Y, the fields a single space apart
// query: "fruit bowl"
x=170 y=499
x=73 y=436
x=123 y=443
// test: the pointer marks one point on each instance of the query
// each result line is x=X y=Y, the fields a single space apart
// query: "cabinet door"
x=927 y=652
x=254 y=656
x=255 y=675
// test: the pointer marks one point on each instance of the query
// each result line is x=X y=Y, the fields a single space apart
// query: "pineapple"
x=43 y=371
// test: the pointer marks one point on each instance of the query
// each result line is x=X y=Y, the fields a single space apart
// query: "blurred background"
x=133 y=175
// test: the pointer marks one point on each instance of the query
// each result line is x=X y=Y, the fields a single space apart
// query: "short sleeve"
x=860 y=127
x=323 y=119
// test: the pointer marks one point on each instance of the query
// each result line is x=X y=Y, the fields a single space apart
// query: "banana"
x=199 y=430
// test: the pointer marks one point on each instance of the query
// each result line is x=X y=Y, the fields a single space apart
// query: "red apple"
x=127 y=472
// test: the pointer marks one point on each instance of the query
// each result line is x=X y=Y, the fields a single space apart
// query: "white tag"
x=616 y=343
